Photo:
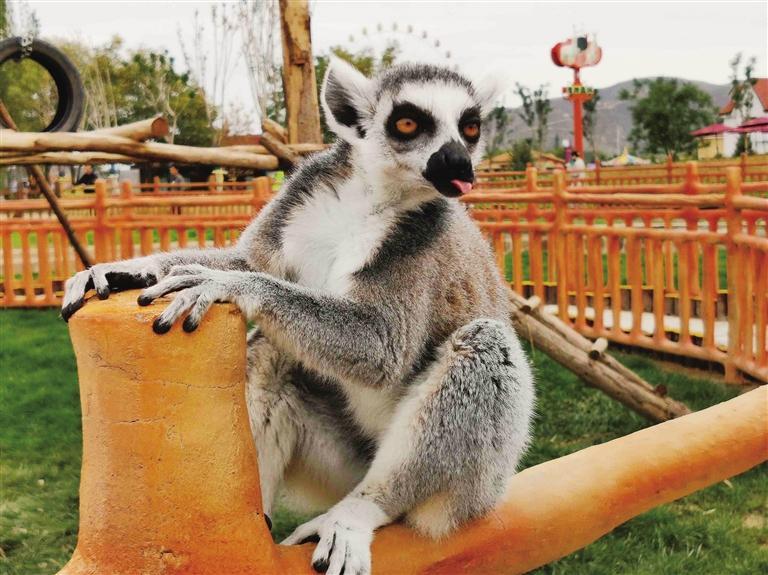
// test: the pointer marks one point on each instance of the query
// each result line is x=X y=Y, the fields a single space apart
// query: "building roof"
x=711 y=130
x=753 y=125
x=761 y=91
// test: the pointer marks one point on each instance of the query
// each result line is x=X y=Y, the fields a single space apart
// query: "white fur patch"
x=372 y=408
x=329 y=238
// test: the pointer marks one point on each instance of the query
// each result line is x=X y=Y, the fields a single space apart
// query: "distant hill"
x=614 y=119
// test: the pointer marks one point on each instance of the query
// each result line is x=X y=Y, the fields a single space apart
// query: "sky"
x=509 y=41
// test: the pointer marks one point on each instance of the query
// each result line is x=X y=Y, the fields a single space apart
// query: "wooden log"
x=295 y=148
x=139 y=131
x=278 y=131
x=573 y=337
x=570 y=349
x=84 y=142
x=598 y=348
x=531 y=304
x=299 y=84
x=287 y=157
x=152 y=503
x=77 y=158
x=67 y=158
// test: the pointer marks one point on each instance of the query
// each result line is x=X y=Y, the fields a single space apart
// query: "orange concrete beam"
x=170 y=485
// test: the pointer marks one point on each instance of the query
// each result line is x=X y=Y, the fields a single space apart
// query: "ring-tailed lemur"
x=384 y=377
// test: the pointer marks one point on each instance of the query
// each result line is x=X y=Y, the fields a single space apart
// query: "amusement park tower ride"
x=577 y=53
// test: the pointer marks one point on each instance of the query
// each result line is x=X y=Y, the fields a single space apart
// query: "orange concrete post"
x=169 y=478
x=170 y=483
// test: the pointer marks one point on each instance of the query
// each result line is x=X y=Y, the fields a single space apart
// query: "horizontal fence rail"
x=753 y=169
x=680 y=268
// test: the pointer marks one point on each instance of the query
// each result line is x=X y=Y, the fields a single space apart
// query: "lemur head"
x=417 y=126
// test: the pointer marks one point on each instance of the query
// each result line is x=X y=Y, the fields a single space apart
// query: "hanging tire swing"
x=71 y=94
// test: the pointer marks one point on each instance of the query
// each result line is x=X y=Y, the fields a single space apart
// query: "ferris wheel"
x=412 y=43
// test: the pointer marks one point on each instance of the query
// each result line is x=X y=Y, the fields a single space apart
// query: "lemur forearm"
x=231 y=258
x=336 y=336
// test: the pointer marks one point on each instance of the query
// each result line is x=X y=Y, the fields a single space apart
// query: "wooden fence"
x=679 y=268
x=37 y=258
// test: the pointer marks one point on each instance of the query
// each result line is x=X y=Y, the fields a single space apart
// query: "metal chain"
x=25 y=42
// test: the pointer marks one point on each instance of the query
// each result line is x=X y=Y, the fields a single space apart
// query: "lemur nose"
x=450 y=169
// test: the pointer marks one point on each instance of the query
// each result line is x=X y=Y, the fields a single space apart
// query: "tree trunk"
x=299 y=83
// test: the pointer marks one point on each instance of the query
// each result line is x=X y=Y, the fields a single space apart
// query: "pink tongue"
x=463 y=187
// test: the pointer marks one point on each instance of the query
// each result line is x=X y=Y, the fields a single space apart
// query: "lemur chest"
x=331 y=236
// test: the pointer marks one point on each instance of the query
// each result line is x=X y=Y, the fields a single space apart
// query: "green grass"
x=718 y=531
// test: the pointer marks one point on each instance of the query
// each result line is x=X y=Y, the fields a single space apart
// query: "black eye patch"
x=468 y=117
x=425 y=123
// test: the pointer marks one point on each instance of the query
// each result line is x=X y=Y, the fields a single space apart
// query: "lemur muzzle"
x=450 y=170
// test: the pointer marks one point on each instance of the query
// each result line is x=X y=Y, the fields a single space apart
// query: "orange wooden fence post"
x=670 y=164
x=734 y=271
x=261 y=193
x=560 y=238
x=100 y=230
x=126 y=213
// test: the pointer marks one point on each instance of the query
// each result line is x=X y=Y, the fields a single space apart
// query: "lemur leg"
x=454 y=440
x=300 y=441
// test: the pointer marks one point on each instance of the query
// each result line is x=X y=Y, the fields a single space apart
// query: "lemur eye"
x=471 y=131
x=406 y=126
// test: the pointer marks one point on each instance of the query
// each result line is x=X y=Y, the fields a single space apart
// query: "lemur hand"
x=345 y=534
x=199 y=288
x=128 y=274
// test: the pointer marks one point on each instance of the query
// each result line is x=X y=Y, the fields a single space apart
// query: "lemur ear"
x=489 y=89
x=347 y=95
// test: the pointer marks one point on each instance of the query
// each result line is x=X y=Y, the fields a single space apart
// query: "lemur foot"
x=199 y=288
x=345 y=534
x=129 y=274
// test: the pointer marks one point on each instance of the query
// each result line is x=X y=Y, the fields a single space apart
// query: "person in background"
x=576 y=166
x=176 y=179
x=87 y=178
x=175 y=175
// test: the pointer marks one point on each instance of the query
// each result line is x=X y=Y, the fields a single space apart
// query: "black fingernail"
x=144 y=300
x=160 y=327
x=321 y=565
x=69 y=310
x=189 y=325
x=310 y=539
x=103 y=293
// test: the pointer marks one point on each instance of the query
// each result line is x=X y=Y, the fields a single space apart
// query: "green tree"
x=499 y=124
x=150 y=85
x=664 y=112
x=522 y=155
x=742 y=95
x=535 y=111
x=29 y=93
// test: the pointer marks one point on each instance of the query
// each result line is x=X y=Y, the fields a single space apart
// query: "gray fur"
x=389 y=376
